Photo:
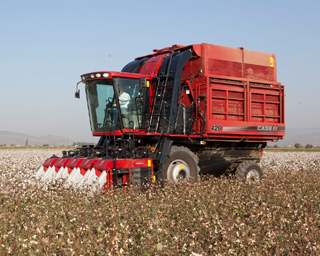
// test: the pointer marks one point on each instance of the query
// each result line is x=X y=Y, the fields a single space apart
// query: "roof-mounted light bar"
x=95 y=75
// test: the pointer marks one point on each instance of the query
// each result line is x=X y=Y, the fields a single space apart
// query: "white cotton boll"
x=293 y=161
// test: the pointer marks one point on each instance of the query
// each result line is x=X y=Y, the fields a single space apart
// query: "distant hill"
x=9 y=138
x=302 y=136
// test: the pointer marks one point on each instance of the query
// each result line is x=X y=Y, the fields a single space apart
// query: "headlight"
x=95 y=75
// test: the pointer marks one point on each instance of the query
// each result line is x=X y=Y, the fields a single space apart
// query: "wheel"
x=181 y=165
x=249 y=171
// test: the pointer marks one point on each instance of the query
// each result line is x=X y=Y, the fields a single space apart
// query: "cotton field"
x=20 y=165
x=290 y=161
x=219 y=216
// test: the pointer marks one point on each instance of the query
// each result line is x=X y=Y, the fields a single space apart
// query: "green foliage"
x=309 y=146
x=45 y=145
x=297 y=145
x=222 y=216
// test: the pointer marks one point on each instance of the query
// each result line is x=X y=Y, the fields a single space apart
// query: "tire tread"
x=242 y=169
x=189 y=152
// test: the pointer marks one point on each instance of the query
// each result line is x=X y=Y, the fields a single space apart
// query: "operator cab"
x=115 y=101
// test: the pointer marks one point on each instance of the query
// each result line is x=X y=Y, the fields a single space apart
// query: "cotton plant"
x=290 y=161
x=216 y=216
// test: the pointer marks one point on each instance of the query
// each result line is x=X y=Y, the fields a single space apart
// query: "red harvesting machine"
x=177 y=114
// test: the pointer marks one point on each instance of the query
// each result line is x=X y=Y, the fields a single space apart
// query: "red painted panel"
x=239 y=63
x=219 y=116
x=74 y=163
x=257 y=109
x=235 y=107
x=235 y=95
x=49 y=162
x=245 y=110
x=103 y=165
x=259 y=119
x=88 y=163
x=152 y=65
x=219 y=106
x=219 y=93
x=257 y=97
x=271 y=120
x=258 y=72
x=272 y=110
x=272 y=98
x=236 y=117
x=62 y=162
x=225 y=68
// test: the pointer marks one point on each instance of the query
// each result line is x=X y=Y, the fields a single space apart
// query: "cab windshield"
x=114 y=102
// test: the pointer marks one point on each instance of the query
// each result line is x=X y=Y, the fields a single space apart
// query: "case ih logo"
x=267 y=128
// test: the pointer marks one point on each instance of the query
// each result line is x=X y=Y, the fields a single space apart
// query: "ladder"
x=158 y=98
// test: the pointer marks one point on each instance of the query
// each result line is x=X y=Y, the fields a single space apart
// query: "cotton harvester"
x=177 y=114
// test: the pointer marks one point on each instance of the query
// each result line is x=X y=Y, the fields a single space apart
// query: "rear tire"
x=181 y=165
x=249 y=171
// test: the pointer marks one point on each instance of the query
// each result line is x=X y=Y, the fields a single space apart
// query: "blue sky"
x=47 y=45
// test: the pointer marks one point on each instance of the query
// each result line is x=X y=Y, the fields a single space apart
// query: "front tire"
x=249 y=171
x=181 y=165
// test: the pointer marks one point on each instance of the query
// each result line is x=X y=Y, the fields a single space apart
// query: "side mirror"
x=77 y=93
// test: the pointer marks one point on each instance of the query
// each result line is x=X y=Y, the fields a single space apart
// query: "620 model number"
x=216 y=128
